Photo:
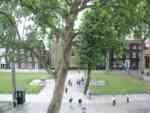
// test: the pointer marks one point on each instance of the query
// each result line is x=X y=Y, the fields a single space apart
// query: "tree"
x=88 y=43
x=141 y=27
x=46 y=14
x=10 y=37
x=59 y=16
x=136 y=15
x=8 y=32
x=99 y=34
x=103 y=29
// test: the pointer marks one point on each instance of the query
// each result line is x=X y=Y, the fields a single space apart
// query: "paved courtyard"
x=140 y=103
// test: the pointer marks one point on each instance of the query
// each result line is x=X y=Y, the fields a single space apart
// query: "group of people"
x=80 y=104
x=79 y=101
x=78 y=83
x=70 y=84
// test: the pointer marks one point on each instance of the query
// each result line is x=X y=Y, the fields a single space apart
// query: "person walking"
x=83 y=109
x=80 y=101
x=70 y=102
x=70 y=83
x=66 y=90
x=90 y=95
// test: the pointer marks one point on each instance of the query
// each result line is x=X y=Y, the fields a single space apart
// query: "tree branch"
x=23 y=45
x=35 y=53
x=13 y=23
x=84 y=5
x=68 y=2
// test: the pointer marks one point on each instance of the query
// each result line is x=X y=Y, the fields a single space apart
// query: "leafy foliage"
x=98 y=32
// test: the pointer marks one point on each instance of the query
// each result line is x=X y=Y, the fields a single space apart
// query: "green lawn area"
x=118 y=82
x=23 y=79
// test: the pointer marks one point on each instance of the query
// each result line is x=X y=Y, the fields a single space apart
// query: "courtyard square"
x=139 y=103
x=74 y=56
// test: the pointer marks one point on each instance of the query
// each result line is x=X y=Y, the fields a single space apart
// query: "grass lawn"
x=118 y=82
x=23 y=79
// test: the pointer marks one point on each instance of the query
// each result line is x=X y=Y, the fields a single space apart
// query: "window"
x=134 y=55
x=134 y=47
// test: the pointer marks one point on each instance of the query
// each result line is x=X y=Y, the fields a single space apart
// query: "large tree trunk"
x=107 y=60
x=62 y=67
x=61 y=73
x=57 y=50
x=55 y=105
x=88 y=79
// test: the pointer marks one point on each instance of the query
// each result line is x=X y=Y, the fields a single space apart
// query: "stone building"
x=24 y=59
x=131 y=55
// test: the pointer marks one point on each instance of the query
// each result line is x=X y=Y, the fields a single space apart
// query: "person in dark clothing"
x=84 y=109
x=78 y=82
x=69 y=81
x=70 y=101
x=80 y=101
x=82 y=79
x=90 y=95
x=66 y=90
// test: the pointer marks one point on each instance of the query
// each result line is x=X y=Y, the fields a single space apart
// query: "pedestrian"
x=90 y=95
x=82 y=79
x=128 y=100
x=114 y=101
x=84 y=109
x=77 y=82
x=66 y=90
x=69 y=81
x=70 y=102
x=80 y=101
